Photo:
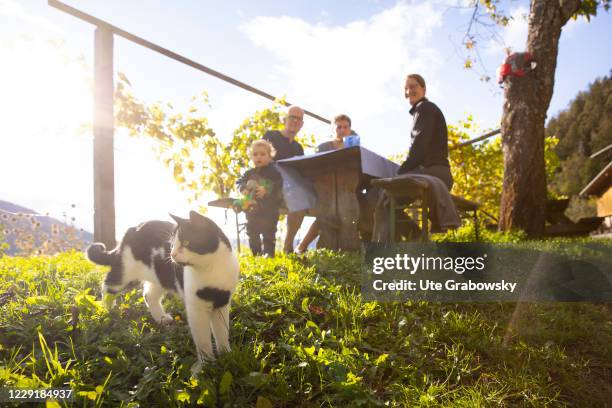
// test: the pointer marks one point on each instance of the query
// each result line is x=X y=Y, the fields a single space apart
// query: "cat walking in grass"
x=193 y=258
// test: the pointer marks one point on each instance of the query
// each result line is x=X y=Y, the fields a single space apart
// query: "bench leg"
x=392 y=219
x=237 y=232
x=476 y=227
x=424 y=221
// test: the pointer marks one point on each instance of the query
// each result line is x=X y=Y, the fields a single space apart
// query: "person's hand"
x=260 y=191
x=251 y=185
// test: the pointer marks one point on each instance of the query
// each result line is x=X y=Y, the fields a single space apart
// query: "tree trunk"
x=523 y=201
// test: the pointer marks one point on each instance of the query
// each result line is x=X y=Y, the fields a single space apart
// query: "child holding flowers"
x=261 y=187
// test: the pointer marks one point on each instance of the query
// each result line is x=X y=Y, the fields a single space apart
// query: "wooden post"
x=103 y=160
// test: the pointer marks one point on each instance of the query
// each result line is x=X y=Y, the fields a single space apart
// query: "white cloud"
x=356 y=68
x=230 y=108
x=515 y=34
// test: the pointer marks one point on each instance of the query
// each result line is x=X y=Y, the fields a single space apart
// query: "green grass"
x=301 y=336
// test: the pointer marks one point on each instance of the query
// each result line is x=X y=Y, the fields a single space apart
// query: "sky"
x=329 y=57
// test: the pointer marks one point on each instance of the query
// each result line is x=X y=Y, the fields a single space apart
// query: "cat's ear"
x=178 y=220
x=199 y=219
x=195 y=216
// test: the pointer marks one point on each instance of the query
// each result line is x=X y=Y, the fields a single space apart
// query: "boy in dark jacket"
x=262 y=187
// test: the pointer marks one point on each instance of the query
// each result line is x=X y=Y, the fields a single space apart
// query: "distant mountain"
x=25 y=221
x=584 y=128
x=14 y=208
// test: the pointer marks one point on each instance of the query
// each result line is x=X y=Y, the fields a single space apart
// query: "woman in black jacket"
x=429 y=150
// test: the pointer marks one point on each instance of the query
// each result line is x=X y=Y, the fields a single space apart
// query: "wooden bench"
x=409 y=193
x=560 y=225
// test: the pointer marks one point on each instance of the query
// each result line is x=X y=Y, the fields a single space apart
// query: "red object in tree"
x=516 y=64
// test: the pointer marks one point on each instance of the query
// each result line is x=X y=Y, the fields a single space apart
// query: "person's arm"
x=326 y=147
x=277 y=180
x=321 y=147
x=422 y=132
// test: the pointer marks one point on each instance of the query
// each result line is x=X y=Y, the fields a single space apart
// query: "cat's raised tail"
x=98 y=254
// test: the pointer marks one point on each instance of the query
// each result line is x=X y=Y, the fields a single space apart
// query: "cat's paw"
x=166 y=319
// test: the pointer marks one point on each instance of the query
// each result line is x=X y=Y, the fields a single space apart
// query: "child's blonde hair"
x=265 y=144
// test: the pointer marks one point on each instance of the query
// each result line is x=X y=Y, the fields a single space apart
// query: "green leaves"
x=497 y=15
x=226 y=383
x=88 y=303
x=201 y=161
x=589 y=8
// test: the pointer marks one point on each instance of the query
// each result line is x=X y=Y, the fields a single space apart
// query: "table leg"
x=337 y=207
x=392 y=219
x=347 y=208
x=325 y=210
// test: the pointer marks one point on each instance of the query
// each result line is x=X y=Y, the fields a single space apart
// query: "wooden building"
x=601 y=186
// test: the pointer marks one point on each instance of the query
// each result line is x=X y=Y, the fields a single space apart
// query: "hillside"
x=584 y=128
x=23 y=226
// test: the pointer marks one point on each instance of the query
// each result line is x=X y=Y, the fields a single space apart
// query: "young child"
x=262 y=187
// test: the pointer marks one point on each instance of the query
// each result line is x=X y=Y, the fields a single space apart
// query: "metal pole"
x=237 y=231
x=103 y=160
x=170 y=54
x=476 y=139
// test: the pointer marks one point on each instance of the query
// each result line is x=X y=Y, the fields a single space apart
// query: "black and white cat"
x=193 y=258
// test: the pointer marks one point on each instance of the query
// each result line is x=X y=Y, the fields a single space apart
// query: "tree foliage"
x=200 y=160
x=584 y=128
x=478 y=168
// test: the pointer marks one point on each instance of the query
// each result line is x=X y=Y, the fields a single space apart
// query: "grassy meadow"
x=302 y=337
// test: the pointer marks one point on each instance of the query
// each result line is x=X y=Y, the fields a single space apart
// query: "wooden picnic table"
x=339 y=178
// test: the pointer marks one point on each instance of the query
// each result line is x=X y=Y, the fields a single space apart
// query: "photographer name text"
x=451 y=285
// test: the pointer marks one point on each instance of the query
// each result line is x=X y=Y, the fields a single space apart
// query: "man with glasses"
x=284 y=140
x=286 y=146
